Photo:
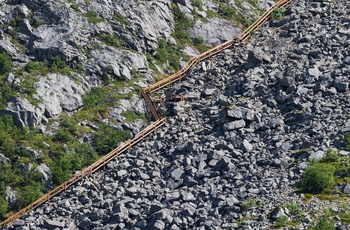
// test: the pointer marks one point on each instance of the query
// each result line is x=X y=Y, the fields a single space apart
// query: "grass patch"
x=131 y=116
x=92 y=17
x=96 y=104
x=168 y=54
x=277 y=14
x=198 y=4
x=119 y=18
x=111 y=40
x=182 y=24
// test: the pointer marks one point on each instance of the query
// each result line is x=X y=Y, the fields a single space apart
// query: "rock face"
x=59 y=93
x=46 y=172
x=23 y=112
x=230 y=156
x=215 y=31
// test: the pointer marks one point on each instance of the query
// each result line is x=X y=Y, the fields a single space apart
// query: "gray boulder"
x=58 y=93
x=246 y=146
x=257 y=55
x=11 y=196
x=277 y=212
x=46 y=172
x=346 y=189
x=23 y=112
x=234 y=125
x=53 y=224
x=317 y=155
x=314 y=72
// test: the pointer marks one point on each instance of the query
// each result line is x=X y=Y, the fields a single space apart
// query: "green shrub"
x=317 y=177
x=182 y=24
x=167 y=53
x=277 y=14
x=331 y=156
x=92 y=17
x=325 y=224
x=29 y=193
x=111 y=40
x=108 y=138
x=86 y=153
x=281 y=221
x=227 y=12
x=198 y=40
x=62 y=170
x=294 y=208
x=347 y=141
x=3 y=207
x=248 y=204
x=57 y=64
x=131 y=116
x=97 y=103
x=198 y=4
x=69 y=124
x=63 y=136
x=5 y=63
x=35 y=22
x=119 y=18
x=33 y=66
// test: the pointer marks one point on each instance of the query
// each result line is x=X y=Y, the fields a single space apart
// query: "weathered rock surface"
x=234 y=156
x=23 y=112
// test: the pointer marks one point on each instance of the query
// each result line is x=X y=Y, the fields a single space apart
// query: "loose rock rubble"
x=230 y=156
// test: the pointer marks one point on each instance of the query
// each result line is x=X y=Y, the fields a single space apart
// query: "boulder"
x=23 y=112
x=11 y=196
x=46 y=172
x=234 y=125
x=346 y=189
x=58 y=93
x=53 y=224
x=257 y=55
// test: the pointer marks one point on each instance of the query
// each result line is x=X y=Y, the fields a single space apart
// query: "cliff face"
x=70 y=73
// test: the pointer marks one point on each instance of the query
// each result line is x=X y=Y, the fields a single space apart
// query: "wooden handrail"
x=209 y=53
x=92 y=168
x=159 y=119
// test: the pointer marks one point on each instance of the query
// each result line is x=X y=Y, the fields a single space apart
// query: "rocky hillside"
x=71 y=71
x=232 y=155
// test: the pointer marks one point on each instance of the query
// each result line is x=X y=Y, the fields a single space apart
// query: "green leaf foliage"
x=3 y=207
x=108 y=138
x=5 y=63
x=325 y=224
x=317 y=177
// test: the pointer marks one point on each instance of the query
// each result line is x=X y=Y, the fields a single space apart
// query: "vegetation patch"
x=108 y=138
x=198 y=4
x=168 y=54
x=277 y=14
x=131 y=116
x=317 y=178
x=92 y=17
x=96 y=104
x=119 y=18
x=111 y=40
x=5 y=63
x=54 y=65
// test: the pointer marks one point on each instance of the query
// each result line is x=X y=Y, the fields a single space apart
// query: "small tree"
x=3 y=207
x=317 y=177
x=5 y=63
